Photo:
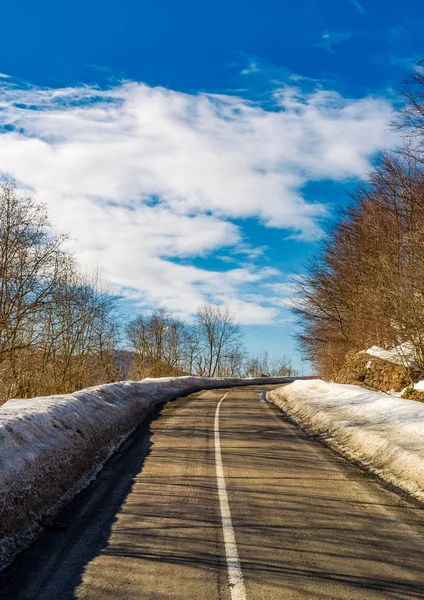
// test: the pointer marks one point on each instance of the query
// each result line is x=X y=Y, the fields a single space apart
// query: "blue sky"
x=193 y=149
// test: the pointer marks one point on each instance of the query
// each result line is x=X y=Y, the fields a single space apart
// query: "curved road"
x=281 y=518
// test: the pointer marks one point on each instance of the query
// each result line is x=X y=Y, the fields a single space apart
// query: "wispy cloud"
x=143 y=176
x=252 y=67
x=331 y=38
x=358 y=6
x=397 y=32
x=405 y=62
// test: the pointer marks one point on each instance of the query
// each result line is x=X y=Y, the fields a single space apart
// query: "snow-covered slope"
x=382 y=433
x=51 y=447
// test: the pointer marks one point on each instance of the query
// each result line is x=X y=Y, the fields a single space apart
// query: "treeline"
x=366 y=287
x=60 y=330
x=209 y=347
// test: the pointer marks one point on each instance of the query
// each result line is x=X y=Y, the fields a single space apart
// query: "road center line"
x=235 y=575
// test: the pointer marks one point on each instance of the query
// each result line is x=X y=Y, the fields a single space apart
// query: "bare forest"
x=61 y=330
x=366 y=287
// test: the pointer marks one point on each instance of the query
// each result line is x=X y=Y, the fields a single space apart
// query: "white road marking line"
x=235 y=575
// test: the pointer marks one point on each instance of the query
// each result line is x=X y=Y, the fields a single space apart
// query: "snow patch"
x=383 y=433
x=399 y=355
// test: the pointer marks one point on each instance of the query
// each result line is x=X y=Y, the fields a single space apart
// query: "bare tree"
x=263 y=365
x=158 y=340
x=219 y=336
x=58 y=329
x=367 y=285
x=233 y=364
x=191 y=351
x=85 y=333
x=31 y=264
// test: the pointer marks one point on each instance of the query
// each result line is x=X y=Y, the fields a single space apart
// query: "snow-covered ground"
x=52 y=447
x=382 y=433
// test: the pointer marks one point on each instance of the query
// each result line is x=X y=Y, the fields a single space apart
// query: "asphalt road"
x=305 y=523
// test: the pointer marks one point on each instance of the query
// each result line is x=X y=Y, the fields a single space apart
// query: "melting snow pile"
x=51 y=447
x=382 y=433
x=399 y=355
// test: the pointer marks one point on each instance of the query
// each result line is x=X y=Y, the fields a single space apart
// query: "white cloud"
x=251 y=68
x=147 y=179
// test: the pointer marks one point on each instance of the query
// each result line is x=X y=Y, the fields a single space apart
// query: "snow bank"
x=399 y=355
x=51 y=447
x=382 y=433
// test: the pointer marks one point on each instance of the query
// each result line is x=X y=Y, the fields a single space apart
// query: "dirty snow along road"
x=306 y=524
